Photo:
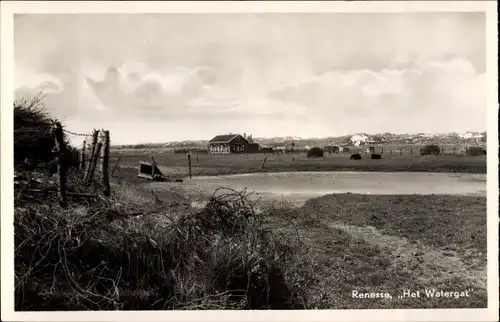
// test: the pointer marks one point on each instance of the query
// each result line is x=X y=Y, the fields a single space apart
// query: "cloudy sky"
x=156 y=78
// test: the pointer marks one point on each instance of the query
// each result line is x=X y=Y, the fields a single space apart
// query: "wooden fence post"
x=95 y=133
x=105 y=165
x=411 y=151
x=189 y=163
x=153 y=167
x=264 y=161
x=382 y=151
x=82 y=156
x=93 y=163
x=61 y=164
x=390 y=151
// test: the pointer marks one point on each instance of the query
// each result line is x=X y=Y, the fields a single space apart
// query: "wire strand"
x=77 y=134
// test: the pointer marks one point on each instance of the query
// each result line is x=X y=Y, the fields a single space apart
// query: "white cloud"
x=317 y=74
x=449 y=92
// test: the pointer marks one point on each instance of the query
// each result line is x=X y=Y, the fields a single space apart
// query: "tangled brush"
x=220 y=257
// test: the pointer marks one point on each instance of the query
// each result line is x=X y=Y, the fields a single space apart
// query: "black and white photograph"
x=250 y=158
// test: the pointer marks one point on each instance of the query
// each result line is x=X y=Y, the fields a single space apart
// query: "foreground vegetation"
x=139 y=251
x=158 y=253
x=113 y=255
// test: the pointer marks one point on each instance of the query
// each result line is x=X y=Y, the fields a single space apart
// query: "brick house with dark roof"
x=231 y=143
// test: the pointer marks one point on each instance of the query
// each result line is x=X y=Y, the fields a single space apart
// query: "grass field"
x=207 y=164
x=140 y=250
x=392 y=244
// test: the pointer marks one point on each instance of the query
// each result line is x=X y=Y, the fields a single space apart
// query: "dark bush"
x=376 y=156
x=315 y=152
x=475 y=151
x=33 y=136
x=356 y=156
x=33 y=128
x=431 y=150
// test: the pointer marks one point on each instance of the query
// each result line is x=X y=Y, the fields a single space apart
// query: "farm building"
x=331 y=148
x=231 y=143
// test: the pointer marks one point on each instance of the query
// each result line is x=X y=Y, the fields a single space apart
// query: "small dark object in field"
x=356 y=156
x=178 y=180
x=315 y=152
x=376 y=156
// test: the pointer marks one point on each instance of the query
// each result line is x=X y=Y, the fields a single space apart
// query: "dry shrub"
x=355 y=156
x=431 y=150
x=376 y=156
x=92 y=257
x=33 y=126
x=33 y=135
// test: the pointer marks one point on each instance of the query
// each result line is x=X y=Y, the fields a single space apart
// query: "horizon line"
x=307 y=138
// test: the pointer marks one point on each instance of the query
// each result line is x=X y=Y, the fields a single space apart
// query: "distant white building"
x=469 y=135
x=359 y=139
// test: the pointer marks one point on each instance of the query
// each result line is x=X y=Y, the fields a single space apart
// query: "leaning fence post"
x=61 y=164
x=82 y=156
x=93 y=163
x=153 y=167
x=264 y=161
x=189 y=162
x=105 y=165
x=95 y=133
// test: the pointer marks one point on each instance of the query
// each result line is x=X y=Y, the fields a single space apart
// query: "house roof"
x=225 y=138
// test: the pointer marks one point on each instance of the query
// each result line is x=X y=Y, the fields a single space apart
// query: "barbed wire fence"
x=85 y=159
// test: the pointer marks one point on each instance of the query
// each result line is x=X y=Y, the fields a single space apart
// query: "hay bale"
x=376 y=156
x=356 y=156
